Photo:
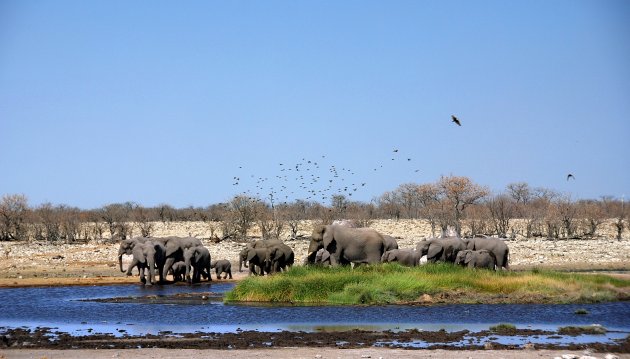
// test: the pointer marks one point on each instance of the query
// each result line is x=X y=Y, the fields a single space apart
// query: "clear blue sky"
x=166 y=102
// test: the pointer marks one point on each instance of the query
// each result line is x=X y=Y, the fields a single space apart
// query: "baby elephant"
x=222 y=266
x=476 y=259
x=179 y=271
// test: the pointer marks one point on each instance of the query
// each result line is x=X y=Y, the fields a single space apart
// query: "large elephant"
x=476 y=259
x=222 y=266
x=147 y=255
x=198 y=259
x=406 y=257
x=347 y=245
x=175 y=247
x=279 y=257
x=441 y=249
x=495 y=245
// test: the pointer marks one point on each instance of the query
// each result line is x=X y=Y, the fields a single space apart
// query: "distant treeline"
x=451 y=202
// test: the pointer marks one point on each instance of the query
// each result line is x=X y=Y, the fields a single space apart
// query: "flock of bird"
x=312 y=179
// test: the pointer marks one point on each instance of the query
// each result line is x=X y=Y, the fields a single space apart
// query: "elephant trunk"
x=313 y=247
x=120 y=254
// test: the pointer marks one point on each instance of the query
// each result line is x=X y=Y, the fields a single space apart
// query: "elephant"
x=406 y=257
x=222 y=266
x=279 y=257
x=347 y=245
x=495 y=245
x=146 y=255
x=197 y=258
x=286 y=255
x=256 y=259
x=175 y=247
x=322 y=258
x=441 y=249
x=390 y=242
x=476 y=259
x=178 y=269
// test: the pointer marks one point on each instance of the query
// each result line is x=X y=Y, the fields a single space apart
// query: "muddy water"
x=139 y=310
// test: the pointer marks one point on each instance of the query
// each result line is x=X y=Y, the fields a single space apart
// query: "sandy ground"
x=296 y=353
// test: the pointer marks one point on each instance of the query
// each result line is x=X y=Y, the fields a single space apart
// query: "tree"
x=502 y=210
x=408 y=195
x=592 y=215
x=48 y=226
x=458 y=193
x=142 y=219
x=13 y=214
x=242 y=211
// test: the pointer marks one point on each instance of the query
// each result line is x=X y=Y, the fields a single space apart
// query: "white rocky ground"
x=526 y=253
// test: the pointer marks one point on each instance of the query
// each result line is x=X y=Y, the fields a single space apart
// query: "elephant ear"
x=328 y=237
x=251 y=254
x=319 y=230
x=171 y=248
x=434 y=250
x=325 y=256
x=138 y=254
x=469 y=257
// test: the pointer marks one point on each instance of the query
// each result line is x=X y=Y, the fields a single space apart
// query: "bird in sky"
x=456 y=120
x=570 y=176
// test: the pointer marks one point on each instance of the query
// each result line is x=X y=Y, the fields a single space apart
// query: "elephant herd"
x=341 y=245
x=185 y=258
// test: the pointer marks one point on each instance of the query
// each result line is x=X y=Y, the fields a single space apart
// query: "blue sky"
x=163 y=102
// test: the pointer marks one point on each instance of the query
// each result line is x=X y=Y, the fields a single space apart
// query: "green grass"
x=503 y=328
x=431 y=283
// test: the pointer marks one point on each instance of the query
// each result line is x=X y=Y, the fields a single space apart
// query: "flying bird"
x=456 y=120
x=570 y=176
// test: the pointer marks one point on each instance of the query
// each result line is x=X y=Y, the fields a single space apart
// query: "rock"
x=488 y=346
x=318 y=356
x=611 y=356
x=529 y=346
x=569 y=356
x=366 y=356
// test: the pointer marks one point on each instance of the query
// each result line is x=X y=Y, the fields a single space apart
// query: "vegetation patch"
x=429 y=284
x=503 y=328
x=587 y=329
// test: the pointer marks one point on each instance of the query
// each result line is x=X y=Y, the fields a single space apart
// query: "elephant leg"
x=134 y=263
x=143 y=280
x=167 y=265
x=228 y=273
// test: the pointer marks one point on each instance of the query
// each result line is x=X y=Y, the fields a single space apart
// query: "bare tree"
x=592 y=215
x=567 y=213
x=409 y=197
x=70 y=222
x=142 y=219
x=389 y=204
x=48 y=226
x=13 y=214
x=502 y=210
x=477 y=219
x=242 y=210
x=115 y=216
x=458 y=193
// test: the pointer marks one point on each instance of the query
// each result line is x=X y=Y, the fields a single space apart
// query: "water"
x=69 y=309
